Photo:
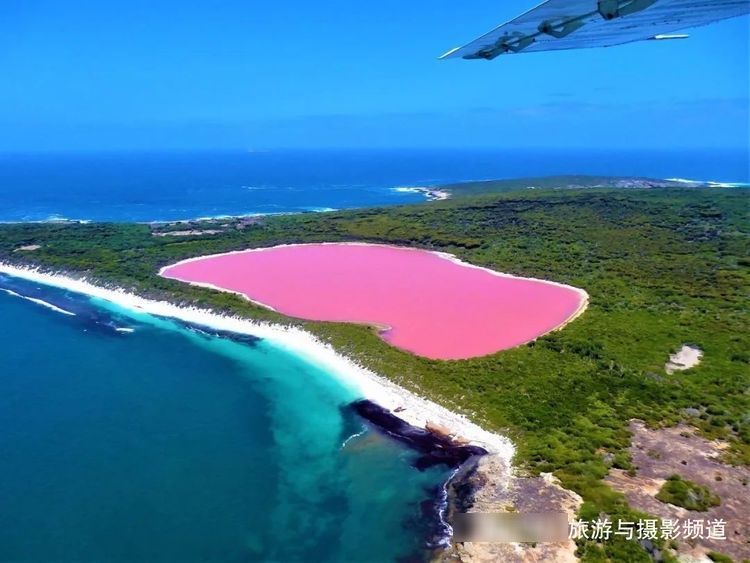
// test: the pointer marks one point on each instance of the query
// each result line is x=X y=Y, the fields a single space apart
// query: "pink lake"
x=423 y=302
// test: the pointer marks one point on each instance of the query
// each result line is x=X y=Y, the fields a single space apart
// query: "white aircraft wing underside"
x=578 y=24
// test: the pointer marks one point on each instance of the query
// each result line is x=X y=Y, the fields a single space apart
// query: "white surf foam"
x=711 y=183
x=38 y=302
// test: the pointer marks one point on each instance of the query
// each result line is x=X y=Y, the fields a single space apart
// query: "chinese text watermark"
x=648 y=529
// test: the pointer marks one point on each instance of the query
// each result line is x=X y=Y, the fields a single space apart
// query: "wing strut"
x=608 y=9
x=561 y=30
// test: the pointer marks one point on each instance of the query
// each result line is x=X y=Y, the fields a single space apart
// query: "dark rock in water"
x=464 y=485
x=434 y=448
x=351 y=424
x=208 y=332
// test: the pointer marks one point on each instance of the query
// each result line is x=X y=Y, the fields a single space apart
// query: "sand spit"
x=408 y=406
x=685 y=358
x=431 y=193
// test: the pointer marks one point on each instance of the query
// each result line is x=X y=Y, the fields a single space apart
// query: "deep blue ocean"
x=170 y=186
x=129 y=437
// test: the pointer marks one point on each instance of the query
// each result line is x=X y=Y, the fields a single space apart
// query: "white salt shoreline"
x=413 y=409
x=583 y=294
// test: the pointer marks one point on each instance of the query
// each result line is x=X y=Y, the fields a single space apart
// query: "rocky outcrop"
x=435 y=444
x=489 y=486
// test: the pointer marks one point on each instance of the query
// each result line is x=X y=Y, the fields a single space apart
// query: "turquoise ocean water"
x=171 y=443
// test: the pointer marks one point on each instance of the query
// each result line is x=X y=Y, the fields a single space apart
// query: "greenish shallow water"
x=169 y=443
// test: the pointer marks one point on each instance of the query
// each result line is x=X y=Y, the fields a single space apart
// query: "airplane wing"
x=577 y=24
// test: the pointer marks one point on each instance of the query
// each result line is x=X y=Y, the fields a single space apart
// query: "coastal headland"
x=662 y=267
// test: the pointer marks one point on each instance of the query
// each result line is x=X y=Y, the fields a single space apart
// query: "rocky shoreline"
x=486 y=484
x=433 y=445
x=482 y=482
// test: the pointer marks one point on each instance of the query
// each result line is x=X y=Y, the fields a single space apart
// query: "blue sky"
x=83 y=75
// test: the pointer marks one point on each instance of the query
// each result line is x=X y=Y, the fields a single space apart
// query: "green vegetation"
x=556 y=183
x=684 y=493
x=663 y=267
x=718 y=557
